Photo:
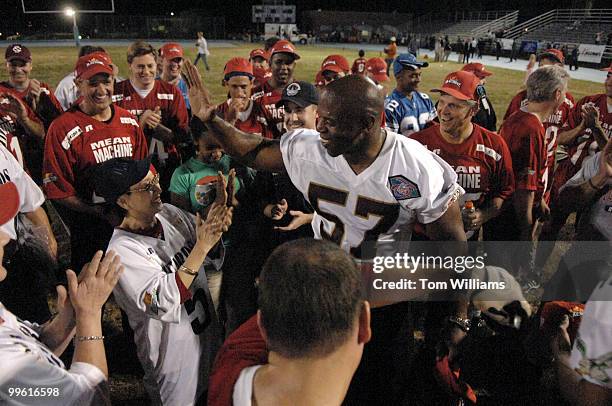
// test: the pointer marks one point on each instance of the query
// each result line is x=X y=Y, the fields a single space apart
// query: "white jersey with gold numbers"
x=406 y=183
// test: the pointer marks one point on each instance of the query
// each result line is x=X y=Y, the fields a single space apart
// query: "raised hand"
x=13 y=106
x=151 y=118
x=199 y=97
x=217 y=222
x=95 y=283
x=590 y=115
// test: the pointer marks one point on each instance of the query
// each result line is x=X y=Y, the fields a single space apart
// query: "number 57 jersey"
x=406 y=183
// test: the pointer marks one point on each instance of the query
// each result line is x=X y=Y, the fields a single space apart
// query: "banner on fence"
x=590 y=53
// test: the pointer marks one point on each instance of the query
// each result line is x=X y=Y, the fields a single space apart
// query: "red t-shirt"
x=44 y=88
x=173 y=111
x=483 y=162
x=258 y=121
x=552 y=125
x=76 y=142
x=268 y=97
x=359 y=66
x=585 y=145
x=525 y=136
x=12 y=134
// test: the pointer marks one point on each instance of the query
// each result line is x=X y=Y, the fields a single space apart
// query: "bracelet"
x=463 y=324
x=188 y=271
x=593 y=186
x=79 y=339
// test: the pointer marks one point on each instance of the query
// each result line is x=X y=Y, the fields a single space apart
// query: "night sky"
x=238 y=12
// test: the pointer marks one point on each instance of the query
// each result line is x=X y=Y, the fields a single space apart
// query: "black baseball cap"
x=301 y=93
x=114 y=177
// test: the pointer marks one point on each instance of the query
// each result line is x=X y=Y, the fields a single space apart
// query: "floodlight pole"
x=70 y=12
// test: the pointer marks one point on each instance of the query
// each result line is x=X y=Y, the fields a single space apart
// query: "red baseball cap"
x=92 y=64
x=477 y=69
x=378 y=68
x=553 y=53
x=172 y=50
x=461 y=85
x=258 y=53
x=335 y=63
x=17 y=52
x=238 y=67
x=284 y=46
x=9 y=196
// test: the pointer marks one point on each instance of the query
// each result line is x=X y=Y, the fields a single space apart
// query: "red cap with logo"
x=172 y=50
x=284 y=46
x=553 y=53
x=461 y=85
x=93 y=64
x=335 y=63
x=237 y=67
x=9 y=196
x=258 y=53
x=477 y=69
x=17 y=52
x=378 y=69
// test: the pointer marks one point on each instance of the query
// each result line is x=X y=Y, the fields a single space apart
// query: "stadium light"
x=172 y=13
x=70 y=12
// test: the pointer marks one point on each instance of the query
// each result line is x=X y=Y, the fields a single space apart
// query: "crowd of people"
x=238 y=238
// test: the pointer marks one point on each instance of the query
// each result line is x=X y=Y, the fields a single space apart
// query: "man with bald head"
x=367 y=185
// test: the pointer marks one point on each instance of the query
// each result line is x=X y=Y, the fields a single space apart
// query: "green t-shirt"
x=193 y=180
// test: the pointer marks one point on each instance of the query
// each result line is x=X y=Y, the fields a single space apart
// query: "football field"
x=51 y=64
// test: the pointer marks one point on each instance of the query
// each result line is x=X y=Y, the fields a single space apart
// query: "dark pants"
x=383 y=376
x=204 y=59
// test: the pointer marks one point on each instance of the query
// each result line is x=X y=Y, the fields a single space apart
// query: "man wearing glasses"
x=89 y=133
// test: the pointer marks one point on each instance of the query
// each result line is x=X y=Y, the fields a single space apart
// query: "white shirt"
x=66 y=91
x=592 y=353
x=176 y=342
x=27 y=364
x=202 y=46
x=243 y=388
x=601 y=212
x=404 y=184
x=30 y=195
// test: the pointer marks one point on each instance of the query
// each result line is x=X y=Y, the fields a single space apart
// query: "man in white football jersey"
x=168 y=259
x=32 y=372
x=366 y=185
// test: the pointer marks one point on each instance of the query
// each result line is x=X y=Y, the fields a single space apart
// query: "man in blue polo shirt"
x=407 y=110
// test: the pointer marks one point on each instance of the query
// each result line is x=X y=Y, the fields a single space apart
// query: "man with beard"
x=90 y=132
x=407 y=110
x=283 y=57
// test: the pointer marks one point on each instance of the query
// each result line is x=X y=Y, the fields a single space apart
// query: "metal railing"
x=589 y=16
x=507 y=20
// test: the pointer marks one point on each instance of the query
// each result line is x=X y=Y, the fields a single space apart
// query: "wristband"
x=593 y=186
x=79 y=339
x=463 y=324
x=188 y=271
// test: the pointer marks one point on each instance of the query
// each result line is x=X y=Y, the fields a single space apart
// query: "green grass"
x=52 y=64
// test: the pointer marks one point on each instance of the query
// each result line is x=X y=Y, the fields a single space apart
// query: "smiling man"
x=283 y=57
x=160 y=109
x=90 y=132
x=407 y=110
x=172 y=62
x=367 y=185
x=480 y=157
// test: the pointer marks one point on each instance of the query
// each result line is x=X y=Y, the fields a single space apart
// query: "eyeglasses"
x=149 y=187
